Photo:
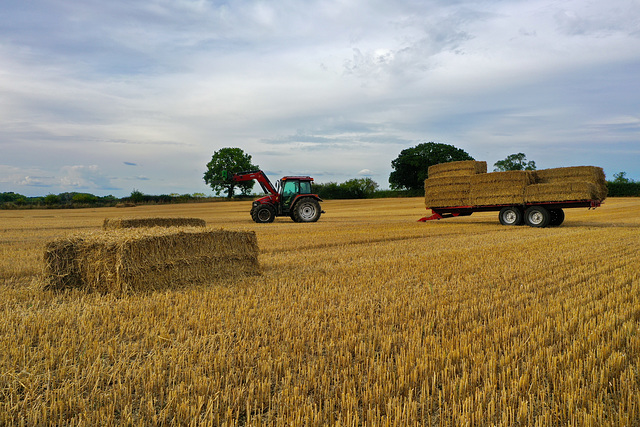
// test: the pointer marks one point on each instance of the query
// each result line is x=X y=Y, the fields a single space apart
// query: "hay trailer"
x=532 y=214
x=536 y=198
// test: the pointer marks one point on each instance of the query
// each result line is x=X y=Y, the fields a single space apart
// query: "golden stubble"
x=364 y=318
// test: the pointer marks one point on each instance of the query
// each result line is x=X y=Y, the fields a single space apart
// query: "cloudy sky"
x=109 y=96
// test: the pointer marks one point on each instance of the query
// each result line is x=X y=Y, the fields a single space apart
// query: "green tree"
x=514 y=162
x=11 y=197
x=51 y=199
x=136 y=196
x=411 y=167
x=359 y=188
x=230 y=161
x=621 y=178
x=328 y=190
x=84 y=198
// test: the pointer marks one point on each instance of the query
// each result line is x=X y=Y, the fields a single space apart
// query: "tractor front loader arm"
x=259 y=176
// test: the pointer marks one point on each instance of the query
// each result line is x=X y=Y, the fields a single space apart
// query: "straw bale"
x=114 y=223
x=446 y=191
x=592 y=174
x=573 y=173
x=60 y=259
x=126 y=260
x=515 y=177
x=496 y=196
x=499 y=188
x=461 y=168
x=561 y=191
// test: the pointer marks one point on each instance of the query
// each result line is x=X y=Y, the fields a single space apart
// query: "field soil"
x=366 y=317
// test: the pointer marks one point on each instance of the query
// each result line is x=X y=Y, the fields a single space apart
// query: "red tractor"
x=291 y=197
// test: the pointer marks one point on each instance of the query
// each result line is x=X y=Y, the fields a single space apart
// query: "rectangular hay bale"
x=499 y=188
x=573 y=173
x=115 y=223
x=461 y=168
x=592 y=174
x=61 y=263
x=127 y=260
x=446 y=191
x=560 y=192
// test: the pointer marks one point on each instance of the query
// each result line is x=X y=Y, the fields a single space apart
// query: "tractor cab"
x=290 y=187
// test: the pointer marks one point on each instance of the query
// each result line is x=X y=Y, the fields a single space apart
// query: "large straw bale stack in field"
x=461 y=168
x=569 y=176
x=498 y=188
x=113 y=223
x=446 y=191
x=139 y=259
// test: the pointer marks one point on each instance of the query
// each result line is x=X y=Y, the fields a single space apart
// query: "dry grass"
x=364 y=318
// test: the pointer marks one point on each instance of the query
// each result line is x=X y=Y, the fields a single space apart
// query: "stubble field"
x=364 y=318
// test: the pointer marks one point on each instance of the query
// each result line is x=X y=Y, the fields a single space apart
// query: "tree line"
x=410 y=169
x=72 y=200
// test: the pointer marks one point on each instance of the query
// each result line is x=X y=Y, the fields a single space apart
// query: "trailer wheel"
x=537 y=216
x=307 y=210
x=263 y=214
x=557 y=217
x=510 y=215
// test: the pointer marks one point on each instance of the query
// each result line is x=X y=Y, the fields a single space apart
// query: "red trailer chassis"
x=539 y=214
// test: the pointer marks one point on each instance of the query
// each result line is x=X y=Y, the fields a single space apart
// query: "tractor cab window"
x=289 y=191
x=290 y=187
x=305 y=187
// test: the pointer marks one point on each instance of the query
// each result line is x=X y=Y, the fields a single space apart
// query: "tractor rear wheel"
x=263 y=214
x=306 y=210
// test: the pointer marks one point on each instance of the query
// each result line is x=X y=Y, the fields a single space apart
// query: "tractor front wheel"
x=306 y=210
x=263 y=214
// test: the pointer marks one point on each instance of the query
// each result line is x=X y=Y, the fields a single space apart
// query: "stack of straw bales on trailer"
x=142 y=259
x=467 y=183
x=449 y=184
